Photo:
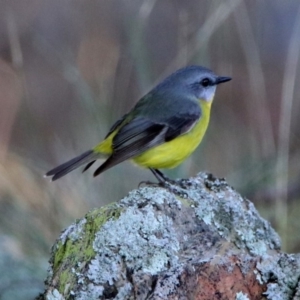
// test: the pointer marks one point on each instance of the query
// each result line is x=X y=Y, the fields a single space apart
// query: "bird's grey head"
x=197 y=81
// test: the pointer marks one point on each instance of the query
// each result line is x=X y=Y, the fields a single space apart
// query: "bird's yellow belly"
x=171 y=154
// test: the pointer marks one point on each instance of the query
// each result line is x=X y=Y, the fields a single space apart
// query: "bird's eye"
x=205 y=82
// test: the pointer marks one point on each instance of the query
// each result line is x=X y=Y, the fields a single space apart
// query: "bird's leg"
x=168 y=183
x=150 y=182
x=157 y=175
x=163 y=180
x=161 y=177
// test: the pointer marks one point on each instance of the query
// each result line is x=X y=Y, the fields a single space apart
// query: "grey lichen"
x=241 y=296
x=141 y=238
x=231 y=215
x=90 y=291
x=73 y=232
x=282 y=273
x=54 y=295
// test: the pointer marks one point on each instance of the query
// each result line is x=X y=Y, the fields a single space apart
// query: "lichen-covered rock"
x=196 y=240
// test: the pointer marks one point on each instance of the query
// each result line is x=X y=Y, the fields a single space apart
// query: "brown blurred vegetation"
x=69 y=69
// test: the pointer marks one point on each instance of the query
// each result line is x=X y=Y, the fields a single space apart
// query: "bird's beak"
x=222 y=79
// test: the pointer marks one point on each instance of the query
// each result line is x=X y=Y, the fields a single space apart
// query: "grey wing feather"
x=116 y=125
x=180 y=125
x=133 y=139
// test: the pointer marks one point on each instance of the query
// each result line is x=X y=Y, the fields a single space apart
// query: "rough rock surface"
x=196 y=240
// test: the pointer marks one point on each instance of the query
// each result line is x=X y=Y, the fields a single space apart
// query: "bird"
x=161 y=130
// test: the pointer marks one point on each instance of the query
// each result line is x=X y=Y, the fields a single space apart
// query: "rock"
x=198 y=239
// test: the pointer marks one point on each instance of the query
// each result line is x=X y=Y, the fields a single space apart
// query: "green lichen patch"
x=96 y=219
x=74 y=250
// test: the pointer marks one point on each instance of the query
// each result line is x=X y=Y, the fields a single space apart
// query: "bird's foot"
x=161 y=177
x=147 y=182
x=174 y=186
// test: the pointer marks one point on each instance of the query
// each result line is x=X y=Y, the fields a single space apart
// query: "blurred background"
x=69 y=69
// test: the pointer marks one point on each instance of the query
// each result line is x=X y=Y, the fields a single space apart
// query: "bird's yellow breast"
x=172 y=153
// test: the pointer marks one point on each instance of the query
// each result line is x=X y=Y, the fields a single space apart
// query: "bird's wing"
x=116 y=125
x=143 y=133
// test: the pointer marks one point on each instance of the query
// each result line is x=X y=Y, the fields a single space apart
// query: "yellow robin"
x=161 y=130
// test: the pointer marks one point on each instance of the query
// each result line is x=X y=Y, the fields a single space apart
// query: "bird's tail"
x=88 y=157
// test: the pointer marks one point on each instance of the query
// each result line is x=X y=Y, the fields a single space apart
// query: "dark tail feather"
x=88 y=166
x=109 y=163
x=67 y=167
x=106 y=165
